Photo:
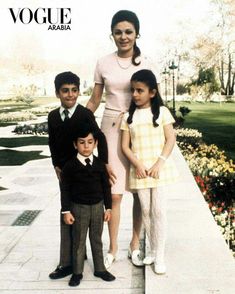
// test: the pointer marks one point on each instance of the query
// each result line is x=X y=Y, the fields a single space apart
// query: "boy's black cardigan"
x=61 y=135
x=85 y=184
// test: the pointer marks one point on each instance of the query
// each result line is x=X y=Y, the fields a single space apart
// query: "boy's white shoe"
x=148 y=260
x=160 y=268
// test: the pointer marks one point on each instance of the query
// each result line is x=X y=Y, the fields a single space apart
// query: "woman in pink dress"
x=113 y=73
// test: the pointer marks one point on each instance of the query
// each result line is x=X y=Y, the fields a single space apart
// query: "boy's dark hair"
x=66 y=77
x=130 y=16
x=148 y=78
x=83 y=130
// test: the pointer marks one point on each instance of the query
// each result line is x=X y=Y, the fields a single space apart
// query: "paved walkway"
x=29 y=253
x=197 y=256
x=198 y=259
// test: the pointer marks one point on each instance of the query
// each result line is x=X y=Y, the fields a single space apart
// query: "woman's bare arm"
x=96 y=96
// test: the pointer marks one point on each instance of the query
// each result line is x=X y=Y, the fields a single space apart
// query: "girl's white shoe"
x=148 y=260
x=136 y=257
x=109 y=259
x=159 y=268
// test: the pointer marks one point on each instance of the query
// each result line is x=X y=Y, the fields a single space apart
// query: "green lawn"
x=215 y=121
x=23 y=141
x=12 y=157
x=6 y=124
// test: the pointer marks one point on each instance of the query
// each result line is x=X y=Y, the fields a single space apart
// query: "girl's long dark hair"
x=147 y=77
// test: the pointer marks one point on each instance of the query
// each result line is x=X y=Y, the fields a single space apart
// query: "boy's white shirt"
x=82 y=158
x=70 y=110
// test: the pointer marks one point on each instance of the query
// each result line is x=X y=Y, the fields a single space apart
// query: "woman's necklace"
x=122 y=66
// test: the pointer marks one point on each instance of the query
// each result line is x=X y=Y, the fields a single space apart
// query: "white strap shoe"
x=148 y=260
x=159 y=268
x=136 y=257
x=109 y=259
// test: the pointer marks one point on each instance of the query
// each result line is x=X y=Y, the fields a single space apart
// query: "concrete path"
x=197 y=257
x=29 y=253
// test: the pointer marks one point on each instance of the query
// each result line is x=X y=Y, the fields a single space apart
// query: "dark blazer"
x=61 y=134
x=85 y=184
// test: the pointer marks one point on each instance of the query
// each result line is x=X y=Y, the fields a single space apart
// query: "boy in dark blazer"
x=85 y=191
x=61 y=123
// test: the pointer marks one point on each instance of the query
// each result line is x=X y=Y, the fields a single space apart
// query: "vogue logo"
x=57 y=18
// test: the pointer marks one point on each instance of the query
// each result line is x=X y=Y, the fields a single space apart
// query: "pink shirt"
x=115 y=73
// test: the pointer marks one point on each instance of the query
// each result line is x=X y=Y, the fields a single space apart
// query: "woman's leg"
x=159 y=221
x=113 y=224
x=136 y=221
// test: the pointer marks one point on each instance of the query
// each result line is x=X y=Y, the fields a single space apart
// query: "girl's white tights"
x=153 y=208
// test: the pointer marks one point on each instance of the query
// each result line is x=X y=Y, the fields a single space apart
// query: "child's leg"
x=159 y=221
x=145 y=197
x=137 y=222
x=65 y=244
x=95 y=235
x=82 y=217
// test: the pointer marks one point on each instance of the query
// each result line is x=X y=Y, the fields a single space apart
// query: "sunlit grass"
x=215 y=121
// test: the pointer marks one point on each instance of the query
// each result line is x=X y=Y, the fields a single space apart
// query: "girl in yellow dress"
x=147 y=141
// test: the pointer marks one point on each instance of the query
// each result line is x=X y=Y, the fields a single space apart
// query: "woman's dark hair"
x=127 y=15
x=147 y=77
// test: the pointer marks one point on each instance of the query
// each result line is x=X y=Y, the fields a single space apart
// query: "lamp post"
x=173 y=67
x=165 y=72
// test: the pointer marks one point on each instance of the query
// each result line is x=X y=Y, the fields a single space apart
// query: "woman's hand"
x=112 y=176
x=68 y=218
x=107 y=215
x=141 y=171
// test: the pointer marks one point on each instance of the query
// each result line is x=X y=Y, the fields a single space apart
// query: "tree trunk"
x=221 y=77
x=232 y=85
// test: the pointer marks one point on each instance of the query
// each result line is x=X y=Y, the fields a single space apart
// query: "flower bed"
x=25 y=115
x=17 y=116
x=32 y=129
x=215 y=176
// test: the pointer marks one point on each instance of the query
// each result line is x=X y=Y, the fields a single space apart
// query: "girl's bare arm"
x=141 y=170
x=166 y=151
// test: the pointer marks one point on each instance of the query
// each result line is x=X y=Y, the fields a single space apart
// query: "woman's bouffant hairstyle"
x=127 y=15
x=148 y=78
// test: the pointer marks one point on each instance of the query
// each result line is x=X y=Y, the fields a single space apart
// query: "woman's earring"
x=138 y=36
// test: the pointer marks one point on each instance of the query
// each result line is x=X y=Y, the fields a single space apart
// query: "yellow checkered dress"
x=147 y=143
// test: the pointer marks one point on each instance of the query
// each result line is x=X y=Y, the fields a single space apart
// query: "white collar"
x=70 y=110
x=82 y=158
